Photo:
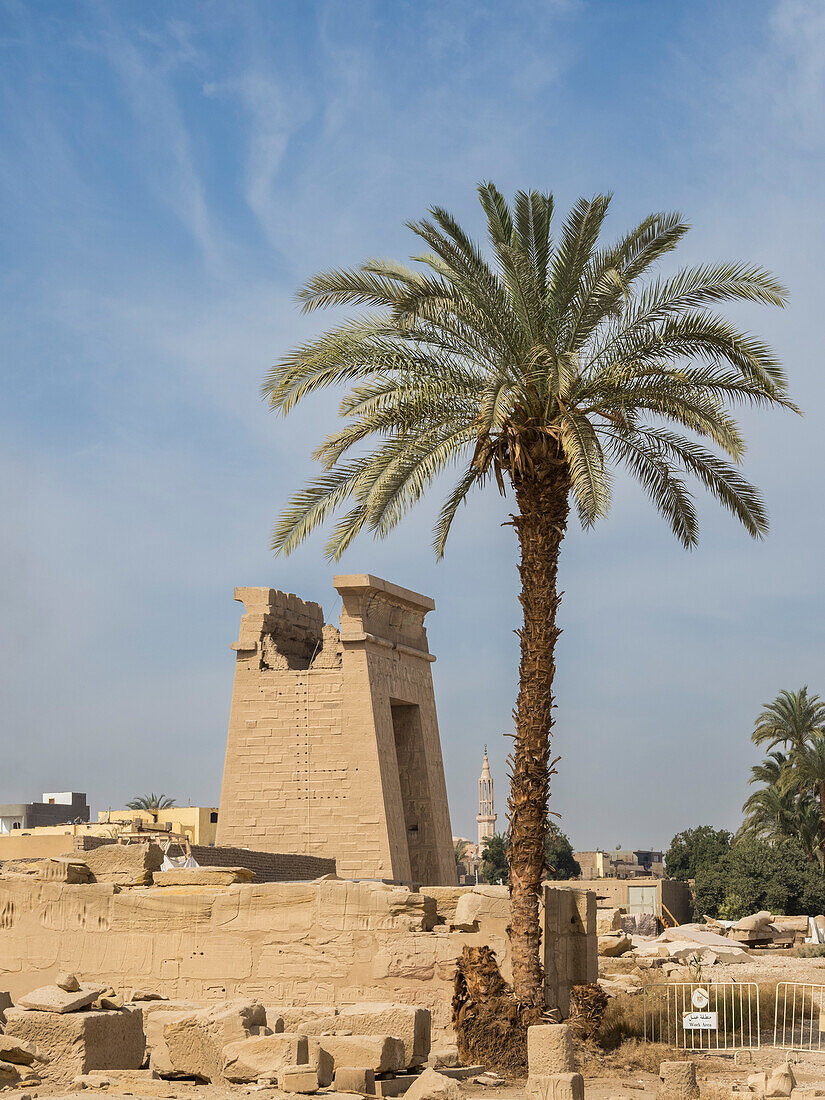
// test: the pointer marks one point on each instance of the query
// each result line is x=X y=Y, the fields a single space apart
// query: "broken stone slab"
x=757 y=1083
x=263 y=1056
x=693 y=933
x=397 y=1085
x=384 y=1053
x=754 y=922
x=781 y=1082
x=146 y=995
x=320 y=1060
x=192 y=1044
x=125 y=864
x=549 y=1049
x=410 y=1023
x=203 y=876
x=19 y=1051
x=307 y=1020
x=432 y=1085
x=62 y=869
x=726 y=952
x=444 y=1057
x=359 y=1079
x=609 y=920
x=298 y=1079
x=461 y=1073
x=614 y=944
x=51 y=998
x=78 y=1042
x=491 y=903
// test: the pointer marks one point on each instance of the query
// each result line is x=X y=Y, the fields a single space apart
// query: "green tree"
x=790 y=721
x=756 y=874
x=558 y=854
x=694 y=848
x=789 y=801
x=460 y=851
x=494 y=867
x=541 y=373
x=151 y=802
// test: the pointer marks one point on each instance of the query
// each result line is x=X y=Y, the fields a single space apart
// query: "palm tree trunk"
x=540 y=526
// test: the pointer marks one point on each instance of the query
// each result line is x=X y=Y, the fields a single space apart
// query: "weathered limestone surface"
x=321 y=1061
x=307 y=1020
x=53 y=998
x=77 y=1042
x=569 y=943
x=264 y=1056
x=203 y=876
x=483 y=903
x=432 y=1085
x=298 y=1079
x=19 y=1051
x=333 y=741
x=549 y=1050
x=384 y=1053
x=409 y=1023
x=191 y=1044
x=677 y=1081
x=556 y=1086
x=319 y=945
x=124 y=864
x=355 y=1079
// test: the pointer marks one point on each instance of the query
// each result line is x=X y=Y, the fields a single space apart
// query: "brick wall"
x=268 y=866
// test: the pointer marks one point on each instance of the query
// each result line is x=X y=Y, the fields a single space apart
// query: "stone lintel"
x=366 y=583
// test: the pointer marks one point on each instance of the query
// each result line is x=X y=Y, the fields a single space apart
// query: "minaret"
x=486 y=817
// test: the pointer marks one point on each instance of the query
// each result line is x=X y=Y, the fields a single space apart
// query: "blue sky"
x=171 y=172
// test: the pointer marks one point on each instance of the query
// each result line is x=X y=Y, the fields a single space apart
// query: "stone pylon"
x=333 y=745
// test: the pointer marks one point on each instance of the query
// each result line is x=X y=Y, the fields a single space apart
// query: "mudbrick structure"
x=333 y=747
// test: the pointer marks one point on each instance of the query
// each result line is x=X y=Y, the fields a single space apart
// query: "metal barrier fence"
x=703 y=1015
x=799 y=1016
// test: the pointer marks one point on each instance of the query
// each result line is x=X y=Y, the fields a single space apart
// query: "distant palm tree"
x=790 y=720
x=461 y=847
x=771 y=813
x=539 y=373
x=152 y=803
x=791 y=800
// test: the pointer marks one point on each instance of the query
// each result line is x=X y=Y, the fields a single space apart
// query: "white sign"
x=700 y=998
x=699 y=1021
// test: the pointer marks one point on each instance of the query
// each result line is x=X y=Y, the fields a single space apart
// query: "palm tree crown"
x=151 y=802
x=566 y=351
x=790 y=720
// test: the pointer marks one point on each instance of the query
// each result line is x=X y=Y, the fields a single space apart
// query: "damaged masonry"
x=120 y=972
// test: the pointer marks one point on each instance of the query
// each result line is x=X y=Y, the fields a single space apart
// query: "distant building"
x=198 y=823
x=63 y=808
x=486 y=812
x=623 y=863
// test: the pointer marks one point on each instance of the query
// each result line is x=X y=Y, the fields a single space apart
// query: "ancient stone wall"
x=327 y=943
x=333 y=746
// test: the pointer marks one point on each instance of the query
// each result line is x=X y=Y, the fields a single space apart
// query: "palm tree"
x=152 y=803
x=807 y=773
x=540 y=372
x=771 y=813
x=791 y=720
